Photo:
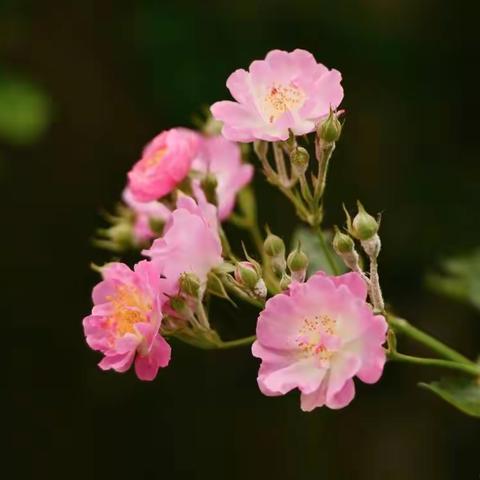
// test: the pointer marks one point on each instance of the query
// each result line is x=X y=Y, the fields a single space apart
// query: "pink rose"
x=125 y=320
x=165 y=162
x=223 y=158
x=286 y=91
x=317 y=337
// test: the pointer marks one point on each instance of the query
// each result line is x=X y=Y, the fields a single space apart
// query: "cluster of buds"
x=364 y=228
x=293 y=268
x=291 y=176
x=119 y=236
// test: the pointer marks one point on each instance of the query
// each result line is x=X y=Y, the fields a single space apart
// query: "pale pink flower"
x=223 y=158
x=317 y=337
x=125 y=320
x=190 y=243
x=165 y=162
x=286 y=91
x=145 y=213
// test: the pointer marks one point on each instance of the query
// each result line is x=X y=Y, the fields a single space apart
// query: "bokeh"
x=83 y=86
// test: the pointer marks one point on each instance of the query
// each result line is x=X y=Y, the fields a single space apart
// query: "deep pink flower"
x=317 y=337
x=125 y=320
x=165 y=162
x=287 y=90
x=223 y=158
x=191 y=243
x=145 y=213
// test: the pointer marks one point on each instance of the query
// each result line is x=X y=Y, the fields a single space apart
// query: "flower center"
x=130 y=306
x=282 y=98
x=317 y=337
x=156 y=158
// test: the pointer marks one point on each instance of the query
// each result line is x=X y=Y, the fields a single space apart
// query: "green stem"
x=402 y=326
x=326 y=251
x=236 y=343
x=435 y=362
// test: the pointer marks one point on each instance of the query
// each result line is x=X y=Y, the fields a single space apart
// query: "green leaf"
x=459 y=279
x=312 y=246
x=463 y=393
x=25 y=111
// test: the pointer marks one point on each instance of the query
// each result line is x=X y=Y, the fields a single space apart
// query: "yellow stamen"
x=130 y=306
x=282 y=98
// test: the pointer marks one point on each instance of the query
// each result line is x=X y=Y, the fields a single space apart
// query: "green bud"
x=178 y=304
x=364 y=226
x=209 y=186
x=274 y=245
x=330 y=130
x=299 y=158
x=117 y=238
x=190 y=284
x=285 y=282
x=342 y=243
x=212 y=126
x=297 y=261
x=246 y=274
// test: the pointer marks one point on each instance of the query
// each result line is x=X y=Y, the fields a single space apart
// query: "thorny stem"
x=435 y=362
x=375 y=290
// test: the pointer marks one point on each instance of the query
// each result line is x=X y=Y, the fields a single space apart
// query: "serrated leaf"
x=312 y=246
x=463 y=393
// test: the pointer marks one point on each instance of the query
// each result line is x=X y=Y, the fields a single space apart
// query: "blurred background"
x=83 y=86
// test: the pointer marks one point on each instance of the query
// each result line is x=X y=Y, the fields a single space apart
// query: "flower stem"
x=402 y=326
x=435 y=362
x=236 y=343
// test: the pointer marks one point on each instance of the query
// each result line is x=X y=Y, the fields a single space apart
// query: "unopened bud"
x=190 y=284
x=274 y=246
x=297 y=263
x=331 y=129
x=212 y=126
x=260 y=289
x=285 y=282
x=178 y=304
x=246 y=274
x=364 y=226
x=342 y=243
x=372 y=246
x=119 y=237
x=299 y=158
x=209 y=186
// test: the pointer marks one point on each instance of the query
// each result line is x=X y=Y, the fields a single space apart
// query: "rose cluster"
x=315 y=332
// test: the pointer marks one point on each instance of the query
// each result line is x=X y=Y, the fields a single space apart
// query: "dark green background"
x=117 y=73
